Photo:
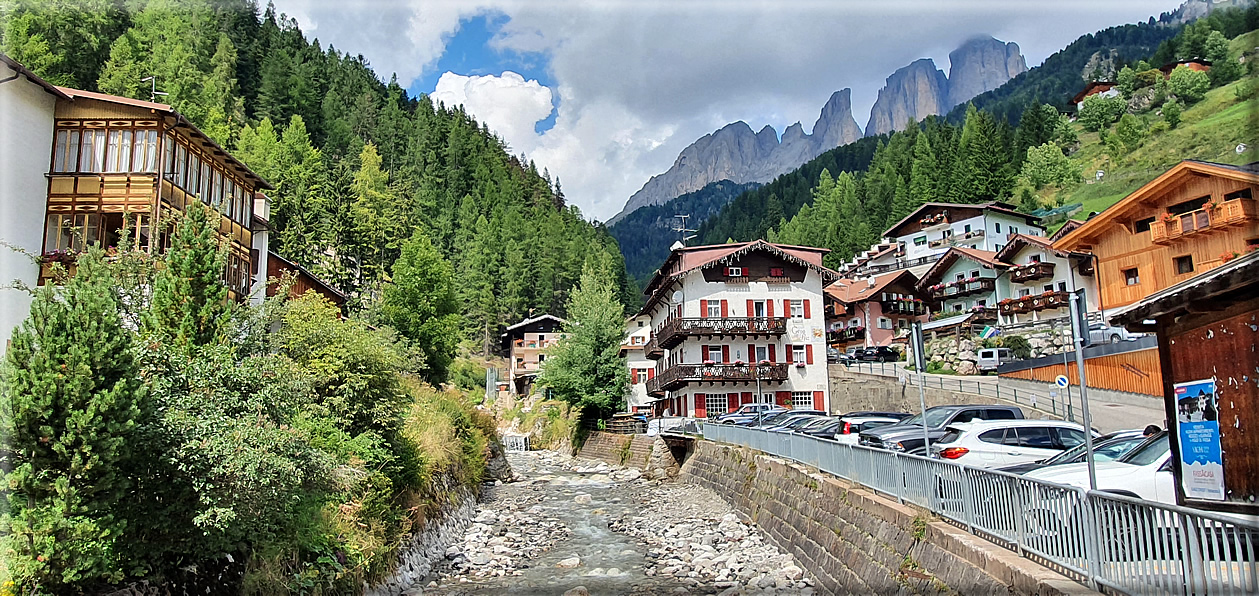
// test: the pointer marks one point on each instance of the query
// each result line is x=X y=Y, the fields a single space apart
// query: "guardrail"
x=1057 y=405
x=1106 y=540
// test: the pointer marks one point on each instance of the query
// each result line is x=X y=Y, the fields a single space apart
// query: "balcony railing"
x=672 y=332
x=533 y=344
x=1036 y=302
x=678 y=375
x=901 y=304
x=1204 y=221
x=957 y=289
x=1031 y=272
x=846 y=334
x=653 y=349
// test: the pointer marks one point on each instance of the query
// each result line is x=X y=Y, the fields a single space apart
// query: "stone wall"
x=425 y=548
x=960 y=355
x=854 y=391
x=855 y=542
x=656 y=457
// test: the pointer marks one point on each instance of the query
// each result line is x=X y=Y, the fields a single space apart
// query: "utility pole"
x=681 y=228
x=153 y=92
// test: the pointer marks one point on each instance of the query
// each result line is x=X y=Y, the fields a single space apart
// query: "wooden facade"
x=120 y=164
x=1212 y=210
x=303 y=280
x=1134 y=372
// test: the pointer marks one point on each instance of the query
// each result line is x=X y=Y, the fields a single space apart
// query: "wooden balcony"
x=845 y=335
x=674 y=331
x=958 y=289
x=1036 y=302
x=1205 y=220
x=653 y=351
x=1031 y=272
x=677 y=376
x=902 y=304
x=533 y=344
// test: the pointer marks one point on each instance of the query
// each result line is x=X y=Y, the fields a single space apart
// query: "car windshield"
x=1149 y=452
x=799 y=421
x=815 y=424
x=934 y=418
x=771 y=417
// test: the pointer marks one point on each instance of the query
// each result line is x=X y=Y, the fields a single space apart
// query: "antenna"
x=682 y=229
x=153 y=92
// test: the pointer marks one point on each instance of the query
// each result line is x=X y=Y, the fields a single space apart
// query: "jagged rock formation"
x=911 y=93
x=982 y=64
x=737 y=154
x=920 y=89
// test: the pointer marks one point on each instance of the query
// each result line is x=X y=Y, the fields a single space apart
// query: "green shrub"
x=1018 y=345
x=1187 y=84
x=1171 y=113
x=1097 y=112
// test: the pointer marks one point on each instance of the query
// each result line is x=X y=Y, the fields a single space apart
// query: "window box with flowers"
x=1229 y=255
x=60 y=256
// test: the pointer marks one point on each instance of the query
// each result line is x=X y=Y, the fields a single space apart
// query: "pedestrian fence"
x=1056 y=404
x=1107 y=541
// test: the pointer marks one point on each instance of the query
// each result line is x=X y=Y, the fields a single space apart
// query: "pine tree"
x=72 y=399
x=420 y=304
x=586 y=369
x=983 y=171
x=189 y=299
x=923 y=176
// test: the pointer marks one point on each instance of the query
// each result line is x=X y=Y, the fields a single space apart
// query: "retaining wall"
x=854 y=391
x=855 y=542
x=656 y=457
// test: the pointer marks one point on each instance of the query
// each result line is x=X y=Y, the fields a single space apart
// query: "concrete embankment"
x=855 y=542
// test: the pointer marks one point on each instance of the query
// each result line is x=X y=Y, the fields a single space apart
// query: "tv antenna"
x=681 y=228
x=153 y=92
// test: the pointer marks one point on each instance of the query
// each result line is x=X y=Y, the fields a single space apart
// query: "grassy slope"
x=1210 y=130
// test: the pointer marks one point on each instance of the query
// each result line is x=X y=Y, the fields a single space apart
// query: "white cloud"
x=637 y=81
x=509 y=104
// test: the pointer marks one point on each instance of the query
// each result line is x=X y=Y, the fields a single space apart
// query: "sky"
x=605 y=94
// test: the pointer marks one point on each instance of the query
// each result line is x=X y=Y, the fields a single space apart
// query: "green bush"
x=1171 y=113
x=1188 y=85
x=1018 y=345
x=1097 y=112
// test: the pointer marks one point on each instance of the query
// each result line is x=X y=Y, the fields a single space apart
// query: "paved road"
x=1110 y=411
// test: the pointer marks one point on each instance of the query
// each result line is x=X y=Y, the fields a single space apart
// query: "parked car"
x=907 y=435
x=852 y=354
x=832 y=354
x=1145 y=472
x=765 y=418
x=998 y=443
x=824 y=429
x=1102 y=333
x=991 y=358
x=880 y=354
x=819 y=422
x=796 y=419
x=850 y=426
x=748 y=411
x=1108 y=447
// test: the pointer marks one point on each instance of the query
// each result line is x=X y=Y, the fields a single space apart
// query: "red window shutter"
x=772 y=356
x=746 y=398
x=725 y=310
x=703 y=309
x=701 y=410
x=807 y=313
x=783 y=398
x=769 y=308
x=789 y=354
x=727 y=271
x=786 y=307
x=679 y=311
x=819 y=400
x=751 y=309
x=808 y=353
x=725 y=354
x=752 y=353
x=732 y=402
x=651 y=374
x=703 y=353
x=634 y=376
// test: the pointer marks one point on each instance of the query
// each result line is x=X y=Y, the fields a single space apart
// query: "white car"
x=1144 y=472
x=850 y=427
x=1000 y=443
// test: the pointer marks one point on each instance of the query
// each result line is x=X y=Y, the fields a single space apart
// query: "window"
x=1183 y=264
x=920 y=241
x=957 y=307
x=67 y=151
x=974 y=273
x=1048 y=287
x=996 y=437
x=997 y=227
x=947 y=233
x=961 y=277
x=981 y=302
x=716 y=403
x=1033 y=259
x=712 y=353
x=801 y=400
x=1142 y=225
x=1240 y=194
x=734 y=271
x=119 y=151
x=776 y=272
x=797 y=309
x=999 y=247
x=885 y=323
x=1070 y=438
x=714 y=309
x=798 y=354
x=1036 y=437
x=1187 y=206
x=92 y=151
x=766 y=398
x=144 y=157
x=758 y=309
x=902 y=323
x=181 y=166
x=541 y=357
x=762 y=353
x=1131 y=276
x=1014 y=230
x=967 y=229
x=194 y=174
x=1024 y=292
x=640 y=323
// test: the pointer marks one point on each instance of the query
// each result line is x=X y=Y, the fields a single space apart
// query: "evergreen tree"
x=63 y=41
x=189 y=299
x=585 y=368
x=924 y=176
x=420 y=304
x=72 y=399
x=983 y=171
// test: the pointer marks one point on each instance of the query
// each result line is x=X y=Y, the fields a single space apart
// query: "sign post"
x=920 y=363
x=1079 y=339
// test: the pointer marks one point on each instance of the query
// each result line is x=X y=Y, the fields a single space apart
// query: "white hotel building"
x=737 y=323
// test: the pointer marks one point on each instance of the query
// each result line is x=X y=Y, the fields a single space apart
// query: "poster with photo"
x=1201 y=461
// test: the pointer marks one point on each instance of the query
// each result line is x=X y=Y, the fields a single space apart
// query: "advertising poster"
x=1201 y=463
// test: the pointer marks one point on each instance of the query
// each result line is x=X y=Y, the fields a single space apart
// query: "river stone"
x=582 y=499
x=577 y=591
x=569 y=563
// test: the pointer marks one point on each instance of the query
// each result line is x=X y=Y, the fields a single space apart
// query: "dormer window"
x=734 y=272
x=776 y=272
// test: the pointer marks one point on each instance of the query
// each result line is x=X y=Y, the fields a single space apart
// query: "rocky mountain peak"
x=835 y=126
x=913 y=92
x=982 y=64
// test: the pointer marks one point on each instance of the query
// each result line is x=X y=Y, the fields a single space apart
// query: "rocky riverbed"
x=570 y=526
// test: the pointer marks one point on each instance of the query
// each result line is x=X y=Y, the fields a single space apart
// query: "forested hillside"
x=646 y=234
x=359 y=165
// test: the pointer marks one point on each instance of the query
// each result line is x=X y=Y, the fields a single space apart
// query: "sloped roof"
x=989 y=206
x=849 y=291
x=532 y=320
x=983 y=257
x=34 y=78
x=1019 y=241
x=1066 y=228
x=1097 y=225
x=314 y=278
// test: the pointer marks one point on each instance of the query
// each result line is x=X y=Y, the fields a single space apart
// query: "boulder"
x=569 y=563
x=966 y=367
x=577 y=591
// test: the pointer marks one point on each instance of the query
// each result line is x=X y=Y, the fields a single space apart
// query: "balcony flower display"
x=799 y=365
x=1230 y=255
x=60 y=256
x=763 y=362
x=709 y=362
x=1007 y=301
x=1048 y=293
x=1168 y=218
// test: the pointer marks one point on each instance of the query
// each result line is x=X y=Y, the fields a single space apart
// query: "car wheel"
x=1114 y=339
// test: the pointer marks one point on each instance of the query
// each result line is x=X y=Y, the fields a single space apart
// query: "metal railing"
x=1056 y=404
x=1104 y=540
x=673 y=331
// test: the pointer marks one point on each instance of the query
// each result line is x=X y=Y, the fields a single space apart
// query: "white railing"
x=1106 y=540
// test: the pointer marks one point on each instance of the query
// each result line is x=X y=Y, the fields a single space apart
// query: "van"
x=991 y=358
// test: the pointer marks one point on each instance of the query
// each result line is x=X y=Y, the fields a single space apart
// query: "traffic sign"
x=1061 y=381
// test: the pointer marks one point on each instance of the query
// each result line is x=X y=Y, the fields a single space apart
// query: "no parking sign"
x=1062 y=381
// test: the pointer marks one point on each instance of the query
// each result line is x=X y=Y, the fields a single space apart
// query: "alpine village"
x=272 y=325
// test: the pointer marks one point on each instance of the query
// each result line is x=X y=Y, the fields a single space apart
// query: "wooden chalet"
x=119 y=159
x=303 y=280
x=1193 y=64
x=1193 y=218
x=1093 y=88
x=873 y=311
